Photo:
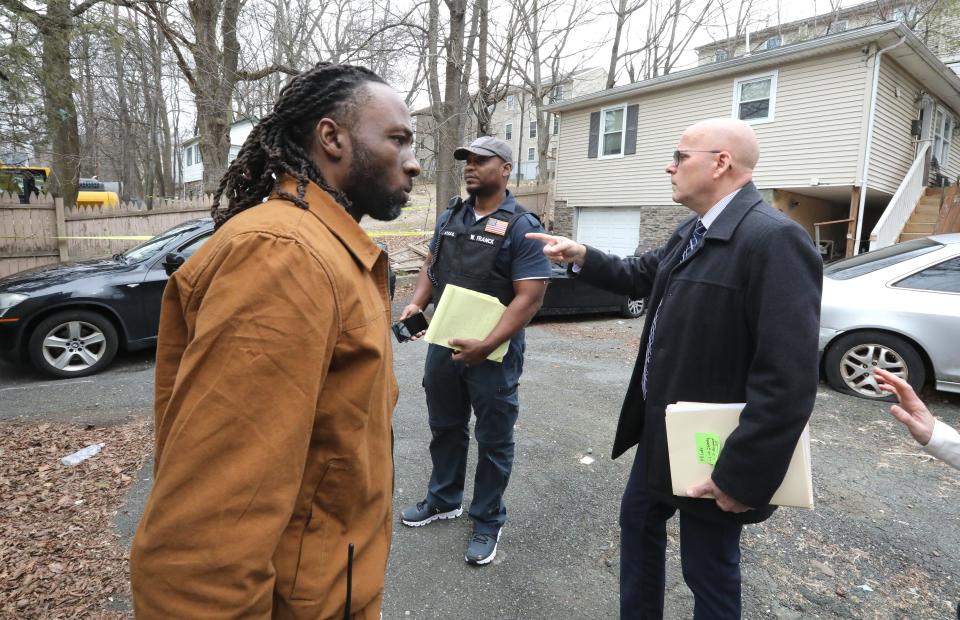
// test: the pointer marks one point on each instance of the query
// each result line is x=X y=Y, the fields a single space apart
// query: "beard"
x=367 y=188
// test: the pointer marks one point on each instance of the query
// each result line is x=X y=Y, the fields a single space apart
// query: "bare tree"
x=493 y=69
x=623 y=10
x=447 y=106
x=671 y=26
x=56 y=29
x=735 y=17
x=209 y=62
x=543 y=61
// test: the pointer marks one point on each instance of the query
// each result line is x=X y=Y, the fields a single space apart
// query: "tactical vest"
x=465 y=255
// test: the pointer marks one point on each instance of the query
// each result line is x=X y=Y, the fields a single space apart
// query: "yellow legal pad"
x=467 y=315
x=695 y=436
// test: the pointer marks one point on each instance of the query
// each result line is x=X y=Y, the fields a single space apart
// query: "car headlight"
x=9 y=300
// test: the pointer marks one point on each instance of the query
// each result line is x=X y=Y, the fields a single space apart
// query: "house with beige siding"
x=853 y=128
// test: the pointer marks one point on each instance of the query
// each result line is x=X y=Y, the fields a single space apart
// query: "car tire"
x=850 y=360
x=633 y=308
x=74 y=343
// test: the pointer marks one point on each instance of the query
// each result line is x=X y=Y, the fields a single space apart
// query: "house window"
x=612 y=132
x=773 y=43
x=189 y=155
x=508 y=131
x=531 y=154
x=838 y=26
x=556 y=124
x=720 y=55
x=196 y=154
x=511 y=103
x=556 y=94
x=943 y=127
x=533 y=128
x=754 y=97
x=803 y=31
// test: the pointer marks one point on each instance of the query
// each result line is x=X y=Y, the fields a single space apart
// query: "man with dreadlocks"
x=479 y=244
x=274 y=381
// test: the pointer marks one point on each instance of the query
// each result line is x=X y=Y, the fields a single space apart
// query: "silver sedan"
x=896 y=308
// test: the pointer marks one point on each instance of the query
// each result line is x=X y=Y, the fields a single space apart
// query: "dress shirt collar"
x=715 y=211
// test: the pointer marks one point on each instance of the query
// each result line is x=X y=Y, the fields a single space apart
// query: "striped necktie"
x=695 y=239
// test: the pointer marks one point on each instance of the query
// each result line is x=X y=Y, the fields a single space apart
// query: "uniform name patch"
x=449 y=233
x=483 y=239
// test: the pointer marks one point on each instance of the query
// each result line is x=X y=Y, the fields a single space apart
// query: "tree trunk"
x=450 y=121
x=614 y=53
x=483 y=96
x=166 y=148
x=56 y=31
x=214 y=80
x=90 y=162
x=130 y=183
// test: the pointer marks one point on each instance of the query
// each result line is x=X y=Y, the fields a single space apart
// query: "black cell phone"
x=409 y=327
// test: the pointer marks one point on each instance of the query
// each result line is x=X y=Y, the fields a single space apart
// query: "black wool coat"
x=738 y=322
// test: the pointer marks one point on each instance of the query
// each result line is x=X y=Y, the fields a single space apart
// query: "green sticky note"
x=708 y=447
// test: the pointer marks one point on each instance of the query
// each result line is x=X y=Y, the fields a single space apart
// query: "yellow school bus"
x=92 y=193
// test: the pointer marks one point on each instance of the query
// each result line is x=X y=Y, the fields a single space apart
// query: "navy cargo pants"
x=490 y=388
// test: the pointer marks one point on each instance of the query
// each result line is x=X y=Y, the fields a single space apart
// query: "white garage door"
x=613 y=230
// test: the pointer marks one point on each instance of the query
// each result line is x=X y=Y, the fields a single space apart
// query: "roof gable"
x=914 y=56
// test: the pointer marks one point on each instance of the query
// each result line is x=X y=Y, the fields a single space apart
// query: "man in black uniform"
x=479 y=244
x=29 y=187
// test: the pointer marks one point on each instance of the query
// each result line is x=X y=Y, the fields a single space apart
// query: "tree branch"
x=81 y=8
x=259 y=74
x=23 y=10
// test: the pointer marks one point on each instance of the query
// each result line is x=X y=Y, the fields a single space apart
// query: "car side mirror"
x=172 y=262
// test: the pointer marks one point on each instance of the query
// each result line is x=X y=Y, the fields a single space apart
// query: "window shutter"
x=594 y=143
x=630 y=142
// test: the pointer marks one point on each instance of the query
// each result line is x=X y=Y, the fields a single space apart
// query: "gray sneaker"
x=422 y=513
x=482 y=548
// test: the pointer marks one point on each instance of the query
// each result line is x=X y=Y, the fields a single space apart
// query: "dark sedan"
x=567 y=295
x=70 y=319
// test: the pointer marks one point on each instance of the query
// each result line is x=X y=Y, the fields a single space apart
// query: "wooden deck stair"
x=927 y=218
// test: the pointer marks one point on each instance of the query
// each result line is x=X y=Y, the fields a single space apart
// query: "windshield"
x=878 y=259
x=149 y=248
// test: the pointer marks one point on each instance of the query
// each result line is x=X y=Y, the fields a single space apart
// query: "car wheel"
x=74 y=343
x=633 y=308
x=850 y=361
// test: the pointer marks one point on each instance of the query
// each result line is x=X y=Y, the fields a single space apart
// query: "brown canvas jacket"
x=274 y=396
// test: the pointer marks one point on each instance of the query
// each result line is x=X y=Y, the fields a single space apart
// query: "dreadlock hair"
x=280 y=143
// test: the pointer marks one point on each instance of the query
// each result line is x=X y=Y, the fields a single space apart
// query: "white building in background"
x=514 y=120
x=190 y=171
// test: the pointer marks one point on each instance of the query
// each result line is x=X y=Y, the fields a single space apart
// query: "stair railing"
x=902 y=205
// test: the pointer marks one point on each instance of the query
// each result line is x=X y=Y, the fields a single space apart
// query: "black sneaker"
x=422 y=513
x=482 y=548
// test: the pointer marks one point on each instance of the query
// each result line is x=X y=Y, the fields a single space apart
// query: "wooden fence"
x=536 y=198
x=43 y=232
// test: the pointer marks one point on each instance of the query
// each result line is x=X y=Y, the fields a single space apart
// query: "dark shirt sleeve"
x=528 y=259
x=633 y=275
x=782 y=304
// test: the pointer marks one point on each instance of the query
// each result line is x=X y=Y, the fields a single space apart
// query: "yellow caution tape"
x=111 y=238
x=397 y=233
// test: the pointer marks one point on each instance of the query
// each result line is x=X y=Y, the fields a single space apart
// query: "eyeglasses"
x=678 y=155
